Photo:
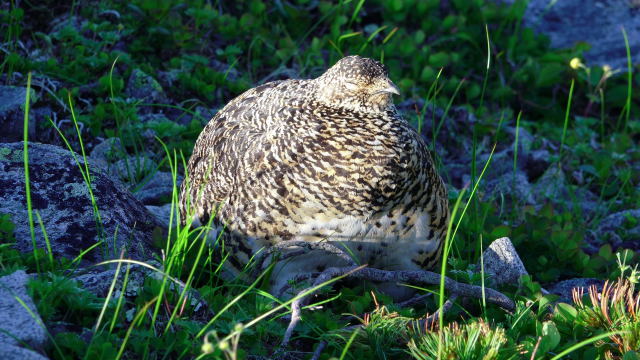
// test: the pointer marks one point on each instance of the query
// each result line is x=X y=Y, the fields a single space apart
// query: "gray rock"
x=145 y=88
x=152 y=118
x=61 y=22
x=502 y=262
x=518 y=189
x=536 y=164
x=618 y=230
x=102 y=153
x=597 y=22
x=132 y=168
x=14 y=352
x=565 y=288
x=156 y=187
x=232 y=73
x=162 y=213
x=500 y=181
x=22 y=332
x=205 y=114
x=501 y=163
x=98 y=281
x=525 y=138
x=551 y=185
x=12 y=100
x=62 y=199
x=168 y=78
x=110 y=15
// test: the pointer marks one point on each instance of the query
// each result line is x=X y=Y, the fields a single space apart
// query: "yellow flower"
x=207 y=348
x=575 y=63
x=223 y=345
x=606 y=69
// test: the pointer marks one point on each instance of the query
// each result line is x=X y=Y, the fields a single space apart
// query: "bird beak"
x=391 y=88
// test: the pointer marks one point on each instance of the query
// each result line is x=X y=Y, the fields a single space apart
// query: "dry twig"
x=456 y=289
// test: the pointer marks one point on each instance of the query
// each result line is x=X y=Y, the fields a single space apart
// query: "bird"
x=328 y=159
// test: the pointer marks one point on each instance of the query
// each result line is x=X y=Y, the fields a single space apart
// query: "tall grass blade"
x=96 y=328
x=486 y=74
x=348 y=345
x=120 y=298
x=355 y=12
x=443 y=270
x=36 y=318
x=566 y=120
x=137 y=319
x=46 y=239
x=27 y=183
x=515 y=152
x=629 y=80
x=585 y=342
x=446 y=110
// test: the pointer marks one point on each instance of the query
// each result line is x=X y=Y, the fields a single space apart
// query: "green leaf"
x=257 y=7
x=566 y=312
x=545 y=301
x=605 y=252
x=500 y=231
x=549 y=75
x=439 y=59
x=550 y=337
x=428 y=74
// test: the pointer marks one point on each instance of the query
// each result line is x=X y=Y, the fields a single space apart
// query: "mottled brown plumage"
x=327 y=159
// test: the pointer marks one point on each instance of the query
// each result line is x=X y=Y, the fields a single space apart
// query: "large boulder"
x=596 y=22
x=60 y=196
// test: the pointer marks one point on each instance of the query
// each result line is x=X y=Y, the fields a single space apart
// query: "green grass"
x=475 y=56
x=27 y=190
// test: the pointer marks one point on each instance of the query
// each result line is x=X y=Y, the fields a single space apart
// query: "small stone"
x=99 y=280
x=168 y=78
x=102 y=153
x=132 y=168
x=502 y=262
x=564 y=288
x=537 y=163
x=14 y=352
x=12 y=101
x=157 y=188
x=162 y=213
x=518 y=188
x=17 y=325
x=551 y=185
x=145 y=88
x=621 y=229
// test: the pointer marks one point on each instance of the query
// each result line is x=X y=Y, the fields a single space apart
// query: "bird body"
x=326 y=159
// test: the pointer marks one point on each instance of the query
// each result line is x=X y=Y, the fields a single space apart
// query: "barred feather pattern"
x=326 y=159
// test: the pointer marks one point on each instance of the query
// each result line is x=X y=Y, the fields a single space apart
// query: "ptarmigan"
x=326 y=159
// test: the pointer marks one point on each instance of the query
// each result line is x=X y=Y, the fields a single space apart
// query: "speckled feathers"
x=327 y=159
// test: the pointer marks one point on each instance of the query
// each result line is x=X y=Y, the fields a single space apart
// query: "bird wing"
x=232 y=148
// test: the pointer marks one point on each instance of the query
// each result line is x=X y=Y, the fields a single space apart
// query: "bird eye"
x=350 y=85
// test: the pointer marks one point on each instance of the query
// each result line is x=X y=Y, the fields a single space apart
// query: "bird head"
x=357 y=83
